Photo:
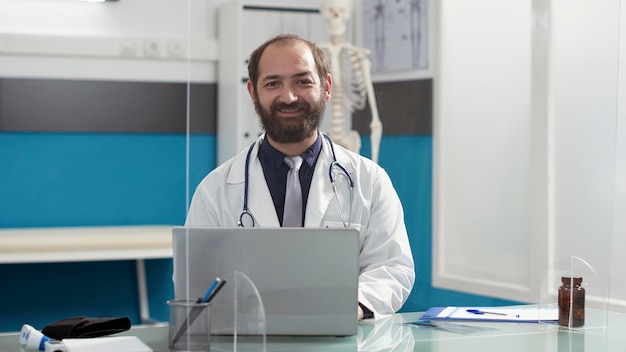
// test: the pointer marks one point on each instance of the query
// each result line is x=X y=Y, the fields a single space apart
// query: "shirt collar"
x=275 y=157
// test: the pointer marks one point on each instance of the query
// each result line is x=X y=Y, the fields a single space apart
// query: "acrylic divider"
x=238 y=315
x=565 y=271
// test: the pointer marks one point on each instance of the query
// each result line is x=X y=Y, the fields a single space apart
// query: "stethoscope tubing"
x=333 y=164
x=245 y=192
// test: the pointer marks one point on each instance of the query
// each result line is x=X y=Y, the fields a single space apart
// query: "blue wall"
x=91 y=179
x=98 y=179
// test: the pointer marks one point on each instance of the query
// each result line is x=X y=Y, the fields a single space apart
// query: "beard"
x=291 y=129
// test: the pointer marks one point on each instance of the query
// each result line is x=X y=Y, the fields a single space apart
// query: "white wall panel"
x=483 y=142
x=618 y=260
x=584 y=71
x=527 y=145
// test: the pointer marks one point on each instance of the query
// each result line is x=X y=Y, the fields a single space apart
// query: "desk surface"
x=394 y=335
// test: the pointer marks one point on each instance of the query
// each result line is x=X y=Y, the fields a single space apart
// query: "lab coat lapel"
x=321 y=191
x=259 y=198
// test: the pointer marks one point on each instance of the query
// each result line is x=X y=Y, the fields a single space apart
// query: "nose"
x=288 y=95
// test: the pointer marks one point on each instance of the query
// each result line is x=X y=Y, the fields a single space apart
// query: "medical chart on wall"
x=396 y=33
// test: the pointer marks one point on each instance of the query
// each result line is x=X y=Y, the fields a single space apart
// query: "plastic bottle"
x=571 y=299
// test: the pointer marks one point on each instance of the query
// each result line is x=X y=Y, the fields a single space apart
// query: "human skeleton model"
x=352 y=81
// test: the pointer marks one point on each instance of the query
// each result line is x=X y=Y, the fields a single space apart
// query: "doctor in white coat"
x=290 y=85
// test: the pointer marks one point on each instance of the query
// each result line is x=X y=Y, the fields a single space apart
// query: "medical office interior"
x=504 y=136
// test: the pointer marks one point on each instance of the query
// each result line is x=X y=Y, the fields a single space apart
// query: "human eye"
x=305 y=82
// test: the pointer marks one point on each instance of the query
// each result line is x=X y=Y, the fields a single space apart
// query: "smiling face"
x=289 y=96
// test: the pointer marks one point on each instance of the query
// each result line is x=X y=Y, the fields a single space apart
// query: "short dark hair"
x=321 y=61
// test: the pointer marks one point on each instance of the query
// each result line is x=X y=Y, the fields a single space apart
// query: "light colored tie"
x=292 y=215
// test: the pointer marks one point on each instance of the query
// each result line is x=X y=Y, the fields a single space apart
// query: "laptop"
x=306 y=277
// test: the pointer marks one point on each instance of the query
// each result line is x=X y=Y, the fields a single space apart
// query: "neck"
x=293 y=149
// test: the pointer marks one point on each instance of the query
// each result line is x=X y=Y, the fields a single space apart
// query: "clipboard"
x=521 y=314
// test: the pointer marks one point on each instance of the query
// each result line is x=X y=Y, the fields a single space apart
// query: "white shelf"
x=70 y=244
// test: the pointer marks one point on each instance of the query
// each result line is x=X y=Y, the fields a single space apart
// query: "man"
x=290 y=84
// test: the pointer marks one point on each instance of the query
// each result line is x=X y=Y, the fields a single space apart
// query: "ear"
x=328 y=87
x=251 y=91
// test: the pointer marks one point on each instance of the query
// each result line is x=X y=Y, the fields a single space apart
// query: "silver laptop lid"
x=307 y=277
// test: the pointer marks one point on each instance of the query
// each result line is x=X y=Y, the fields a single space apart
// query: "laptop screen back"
x=307 y=277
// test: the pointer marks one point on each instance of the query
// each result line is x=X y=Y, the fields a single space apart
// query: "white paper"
x=494 y=313
x=107 y=344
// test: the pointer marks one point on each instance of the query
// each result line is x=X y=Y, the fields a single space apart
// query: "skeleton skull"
x=336 y=13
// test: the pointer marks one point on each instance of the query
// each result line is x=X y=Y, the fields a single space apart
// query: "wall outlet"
x=152 y=48
x=176 y=49
x=129 y=48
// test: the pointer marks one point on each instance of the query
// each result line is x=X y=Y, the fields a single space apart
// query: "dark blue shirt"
x=275 y=171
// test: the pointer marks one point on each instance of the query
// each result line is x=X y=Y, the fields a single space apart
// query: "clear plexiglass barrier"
x=570 y=285
x=237 y=312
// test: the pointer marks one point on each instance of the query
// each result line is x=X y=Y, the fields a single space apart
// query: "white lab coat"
x=385 y=260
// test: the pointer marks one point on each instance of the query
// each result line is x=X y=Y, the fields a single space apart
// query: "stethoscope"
x=246 y=219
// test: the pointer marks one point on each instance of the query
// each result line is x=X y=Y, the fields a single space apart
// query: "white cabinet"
x=243 y=26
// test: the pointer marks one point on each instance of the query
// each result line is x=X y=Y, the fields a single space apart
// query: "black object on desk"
x=83 y=327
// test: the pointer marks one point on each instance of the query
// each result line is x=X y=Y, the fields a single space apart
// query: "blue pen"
x=478 y=311
x=216 y=290
x=208 y=293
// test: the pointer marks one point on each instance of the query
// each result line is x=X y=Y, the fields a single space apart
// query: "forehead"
x=286 y=59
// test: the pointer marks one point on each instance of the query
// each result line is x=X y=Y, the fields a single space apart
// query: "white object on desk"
x=107 y=344
x=513 y=314
x=32 y=339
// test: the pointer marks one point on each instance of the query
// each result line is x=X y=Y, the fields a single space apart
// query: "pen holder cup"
x=189 y=326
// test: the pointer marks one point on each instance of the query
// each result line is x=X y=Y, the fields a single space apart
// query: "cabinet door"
x=259 y=26
x=268 y=23
x=243 y=29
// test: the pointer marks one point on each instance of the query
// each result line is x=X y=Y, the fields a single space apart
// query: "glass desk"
x=393 y=334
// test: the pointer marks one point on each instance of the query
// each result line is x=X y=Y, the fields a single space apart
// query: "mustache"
x=295 y=105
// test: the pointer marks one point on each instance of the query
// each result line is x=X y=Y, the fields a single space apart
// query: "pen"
x=478 y=311
x=216 y=285
x=216 y=290
x=210 y=291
